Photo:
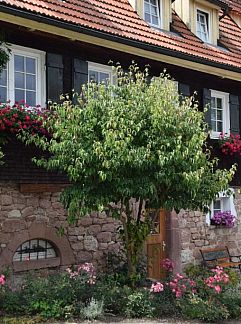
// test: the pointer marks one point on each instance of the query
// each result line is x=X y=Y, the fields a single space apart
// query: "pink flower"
x=167 y=264
x=218 y=289
x=2 y=280
x=157 y=287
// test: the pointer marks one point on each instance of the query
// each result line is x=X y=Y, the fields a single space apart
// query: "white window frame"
x=101 y=68
x=209 y=25
x=40 y=73
x=226 y=114
x=227 y=204
x=159 y=12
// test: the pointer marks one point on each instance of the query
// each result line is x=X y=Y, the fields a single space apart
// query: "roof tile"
x=117 y=17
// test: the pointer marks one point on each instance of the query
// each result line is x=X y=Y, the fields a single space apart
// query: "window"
x=152 y=12
x=203 y=25
x=220 y=119
x=222 y=203
x=34 y=250
x=23 y=78
x=99 y=73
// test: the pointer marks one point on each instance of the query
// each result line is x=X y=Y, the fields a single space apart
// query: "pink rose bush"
x=218 y=280
x=181 y=286
x=86 y=269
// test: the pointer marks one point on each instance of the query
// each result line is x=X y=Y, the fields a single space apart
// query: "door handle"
x=163 y=246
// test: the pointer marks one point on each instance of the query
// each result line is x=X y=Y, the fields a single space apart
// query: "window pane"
x=31 y=98
x=18 y=63
x=147 y=18
x=3 y=78
x=213 y=125
x=3 y=94
x=155 y=20
x=154 y=11
x=30 y=65
x=19 y=80
x=219 y=115
x=93 y=76
x=146 y=8
x=213 y=114
x=19 y=95
x=153 y=2
x=103 y=76
x=30 y=82
x=219 y=126
x=219 y=103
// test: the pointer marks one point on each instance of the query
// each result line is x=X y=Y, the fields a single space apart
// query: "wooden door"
x=156 y=245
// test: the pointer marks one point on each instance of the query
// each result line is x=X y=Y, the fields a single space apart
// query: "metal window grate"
x=36 y=249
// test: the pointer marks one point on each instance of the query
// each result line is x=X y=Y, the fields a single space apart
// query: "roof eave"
x=114 y=38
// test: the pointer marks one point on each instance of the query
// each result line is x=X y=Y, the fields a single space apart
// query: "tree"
x=135 y=139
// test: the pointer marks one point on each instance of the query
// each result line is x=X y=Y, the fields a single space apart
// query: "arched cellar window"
x=36 y=249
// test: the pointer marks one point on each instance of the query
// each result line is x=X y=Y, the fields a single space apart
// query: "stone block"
x=85 y=221
x=57 y=205
x=199 y=243
x=6 y=200
x=99 y=221
x=94 y=229
x=33 y=201
x=104 y=237
x=77 y=246
x=44 y=203
x=76 y=230
x=84 y=256
x=28 y=211
x=12 y=225
x=14 y=214
x=90 y=243
x=103 y=246
x=109 y=227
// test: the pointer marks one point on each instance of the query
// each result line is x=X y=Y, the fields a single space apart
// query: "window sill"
x=19 y=266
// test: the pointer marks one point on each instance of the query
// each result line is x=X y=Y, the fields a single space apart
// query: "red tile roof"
x=117 y=18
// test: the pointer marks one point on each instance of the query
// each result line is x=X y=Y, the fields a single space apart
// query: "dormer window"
x=203 y=25
x=152 y=12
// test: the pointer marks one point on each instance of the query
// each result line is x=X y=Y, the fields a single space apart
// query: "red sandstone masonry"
x=89 y=241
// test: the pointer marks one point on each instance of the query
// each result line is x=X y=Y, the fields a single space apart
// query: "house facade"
x=56 y=47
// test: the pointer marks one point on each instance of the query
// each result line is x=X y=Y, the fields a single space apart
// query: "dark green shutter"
x=207 y=106
x=234 y=114
x=80 y=74
x=55 y=76
x=184 y=90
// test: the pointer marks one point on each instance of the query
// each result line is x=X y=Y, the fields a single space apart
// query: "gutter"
x=114 y=38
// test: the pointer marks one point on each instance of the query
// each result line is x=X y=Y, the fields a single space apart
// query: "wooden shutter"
x=234 y=114
x=55 y=76
x=80 y=74
x=184 y=90
x=207 y=105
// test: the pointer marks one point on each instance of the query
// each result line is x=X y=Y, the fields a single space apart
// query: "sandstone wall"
x=90 y=241
x=190 y=233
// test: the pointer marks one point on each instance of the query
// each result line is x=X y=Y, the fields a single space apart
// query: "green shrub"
x=139 y=305
x=197 y=308
x=232 y=300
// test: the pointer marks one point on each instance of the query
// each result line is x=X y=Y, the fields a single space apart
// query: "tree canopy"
x=133 y=139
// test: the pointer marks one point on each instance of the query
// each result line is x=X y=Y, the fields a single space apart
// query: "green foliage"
x=4 y=52
x=48 y=310
x=208 y=311
x=232 y=300
x=139 y=305
x=132 y=139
